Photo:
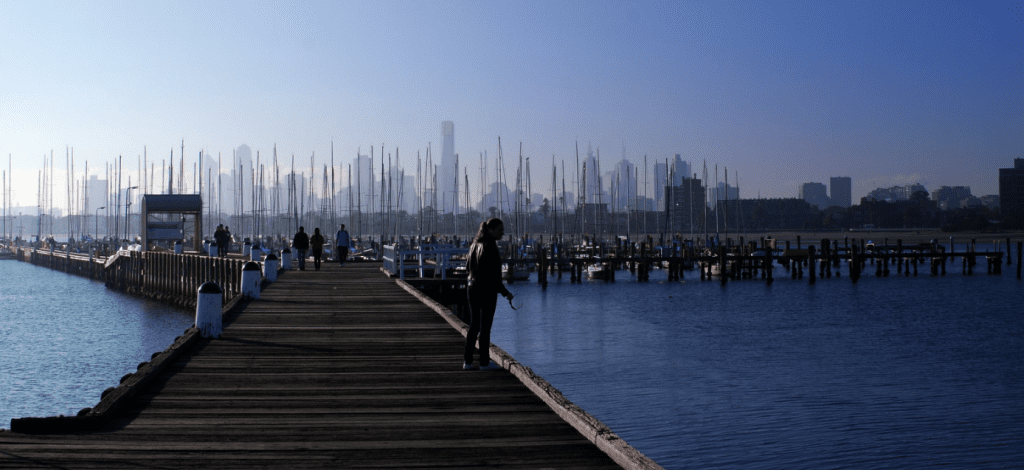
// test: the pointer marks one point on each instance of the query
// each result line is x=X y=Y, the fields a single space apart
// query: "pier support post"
x=810 y=262
x=208 y=307
x=270 y=267
x=1019 y=246
x=251 y=280
x=286 y=259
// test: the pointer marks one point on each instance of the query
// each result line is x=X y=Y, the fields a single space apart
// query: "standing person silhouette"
x=316 y=242
x=484 y=268
x=341 y=242
x=301 y=243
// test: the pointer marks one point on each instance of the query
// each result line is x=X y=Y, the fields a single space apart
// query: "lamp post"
x=96 y=234
x=127 y=209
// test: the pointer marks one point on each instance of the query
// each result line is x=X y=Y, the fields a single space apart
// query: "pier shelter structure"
x=172 y=217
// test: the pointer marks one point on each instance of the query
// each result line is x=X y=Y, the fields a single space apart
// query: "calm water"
x=897 y=372
x=64 y=339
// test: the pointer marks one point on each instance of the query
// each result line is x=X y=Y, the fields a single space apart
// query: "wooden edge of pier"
x=586 y=424
x=112 y=398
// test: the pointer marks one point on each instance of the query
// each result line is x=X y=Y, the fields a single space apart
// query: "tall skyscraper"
x=680 y=170
x=446 y=173
x=840 y=191
x=592 y=187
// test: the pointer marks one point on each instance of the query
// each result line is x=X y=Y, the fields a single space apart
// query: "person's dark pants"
x=317 y=254
x=481 y=316
x=342 y=254
x=302 y=259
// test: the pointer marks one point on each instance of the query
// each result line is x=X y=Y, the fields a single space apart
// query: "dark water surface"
x=64 y=339
x=897 y=372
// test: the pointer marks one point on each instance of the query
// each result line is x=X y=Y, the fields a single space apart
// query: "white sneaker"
x=469 y=366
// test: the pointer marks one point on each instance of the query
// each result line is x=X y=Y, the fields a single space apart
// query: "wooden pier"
x=338 y=368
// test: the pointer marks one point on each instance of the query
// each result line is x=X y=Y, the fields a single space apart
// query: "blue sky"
x=779 y=92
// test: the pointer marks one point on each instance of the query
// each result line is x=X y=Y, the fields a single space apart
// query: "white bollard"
x=246 y=248
x=206 y=246
x=270 y=268
x=213 y=250
x=251 y=279
x=286 y=259
x=256 y=254
x=178 y=249
x=208 y=308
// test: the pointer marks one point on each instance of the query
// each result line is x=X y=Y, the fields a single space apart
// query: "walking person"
x=227 y=242
x=484 y=268
x=341 y=242
x=218 y=238
x=301 y=243
x=316 y=242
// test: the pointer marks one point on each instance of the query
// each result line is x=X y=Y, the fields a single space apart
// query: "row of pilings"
x=757 y=259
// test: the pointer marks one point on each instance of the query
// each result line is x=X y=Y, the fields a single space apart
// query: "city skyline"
x=782 y=94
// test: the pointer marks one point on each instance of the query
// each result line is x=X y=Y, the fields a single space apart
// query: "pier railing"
x=174 y=278
x=166 y=277
x=428 y=258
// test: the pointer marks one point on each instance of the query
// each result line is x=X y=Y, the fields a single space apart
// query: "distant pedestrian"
x=484 y=285
x=341 y=242
x=218 y=236
x=316 y=242
x=301 y=243
x=221 y=237
x=227 y=241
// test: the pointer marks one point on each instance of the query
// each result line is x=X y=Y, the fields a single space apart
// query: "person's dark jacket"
x=301 y=241
x=317 y=241
x=221 y=236
x=484 y=266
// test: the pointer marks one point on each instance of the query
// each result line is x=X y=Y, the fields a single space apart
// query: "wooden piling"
x=810 y=262
x=1018 y=257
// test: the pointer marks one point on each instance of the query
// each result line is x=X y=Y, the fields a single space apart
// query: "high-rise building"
x=623 y=182
x=680 y=170
x=1011 y=193
x=723 y=192
x=840 y=192
x=447 y=172
x=684 y=205
x=660 y=181
x=592 y=182
x=815 y=194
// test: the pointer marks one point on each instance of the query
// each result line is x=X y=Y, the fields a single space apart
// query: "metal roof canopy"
x=180 y=204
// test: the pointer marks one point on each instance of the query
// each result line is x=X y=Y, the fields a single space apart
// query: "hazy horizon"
x=779 y=93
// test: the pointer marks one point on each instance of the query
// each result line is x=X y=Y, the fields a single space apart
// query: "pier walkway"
x=338 y=368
